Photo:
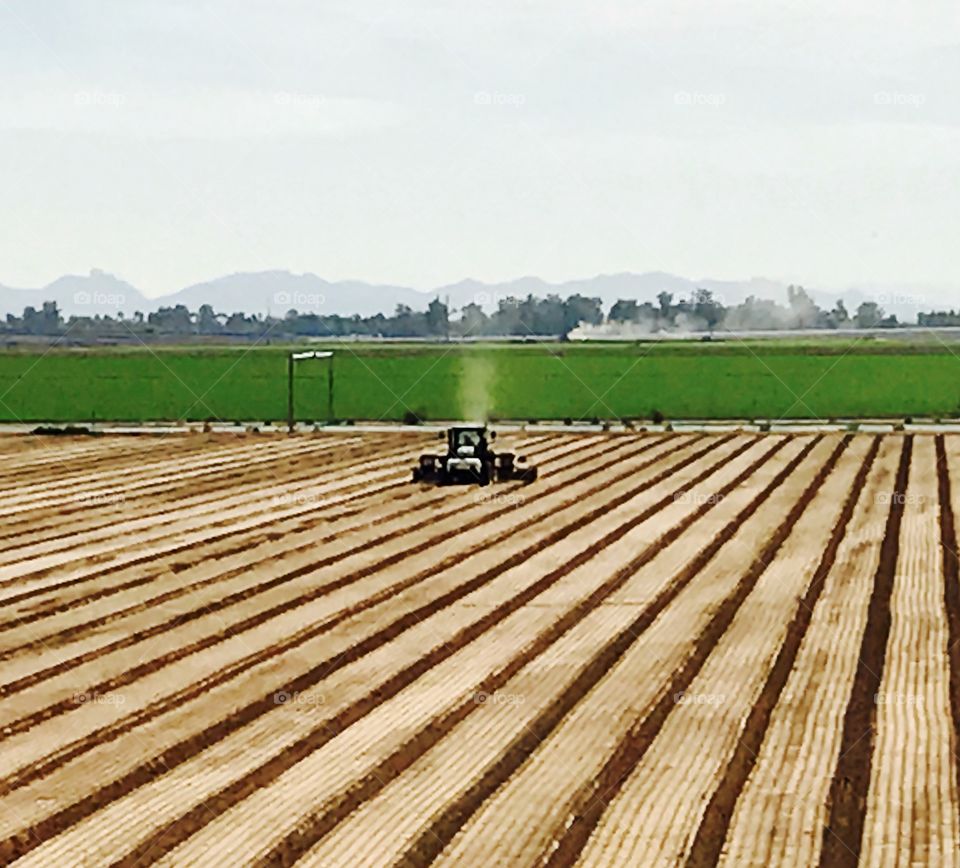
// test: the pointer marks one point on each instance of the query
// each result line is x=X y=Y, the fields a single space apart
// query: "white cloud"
x=174 y=140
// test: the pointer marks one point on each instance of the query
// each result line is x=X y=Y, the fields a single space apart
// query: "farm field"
x=671 y=649
x=770 y=379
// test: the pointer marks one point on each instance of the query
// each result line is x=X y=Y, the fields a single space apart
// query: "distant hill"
x=95 y=293
x=276 y=292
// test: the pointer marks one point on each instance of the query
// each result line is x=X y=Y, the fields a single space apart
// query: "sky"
x=420 y=143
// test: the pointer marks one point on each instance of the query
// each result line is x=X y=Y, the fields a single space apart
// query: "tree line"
x=532 y=316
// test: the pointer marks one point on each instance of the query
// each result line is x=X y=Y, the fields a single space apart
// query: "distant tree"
x=371 y=325
x=755 y=314
x=625 y=310
x=936 y=319
x=240 y=324
x=528 y=318
x=473 y=321
x=548 y=314
x=839 y=317
x=45 y=321
x=506 y=319
x=438 y=319
x=869 y=315
x=708 y=309
x=207 y=322
x=407 y=323
x=804 y=311
x=172 y=320
x=579 y=309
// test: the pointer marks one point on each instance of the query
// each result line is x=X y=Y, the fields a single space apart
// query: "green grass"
x=764 y=379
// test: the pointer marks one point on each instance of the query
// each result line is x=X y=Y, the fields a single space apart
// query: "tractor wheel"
x=505 y=467
x=525 y=475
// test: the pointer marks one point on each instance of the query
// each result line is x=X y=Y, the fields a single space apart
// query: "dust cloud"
x=476 y=388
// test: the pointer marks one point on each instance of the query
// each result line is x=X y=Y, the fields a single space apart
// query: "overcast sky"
x=423 y=142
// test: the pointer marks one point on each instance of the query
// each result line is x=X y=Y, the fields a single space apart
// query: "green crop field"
x=761 y=380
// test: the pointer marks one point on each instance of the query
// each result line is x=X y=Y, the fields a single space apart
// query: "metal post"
x=330 y=389
x=290 y=393
x=296 y=357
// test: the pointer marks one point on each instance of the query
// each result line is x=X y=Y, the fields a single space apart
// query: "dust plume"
x=476 y=388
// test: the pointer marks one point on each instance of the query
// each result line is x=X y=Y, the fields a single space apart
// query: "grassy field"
x=767 y=380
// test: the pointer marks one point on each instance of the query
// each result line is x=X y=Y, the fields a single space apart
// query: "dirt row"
x=227 y=555
x=288 y=560
x=670 y=649
x=446 y=576
x=84 y=511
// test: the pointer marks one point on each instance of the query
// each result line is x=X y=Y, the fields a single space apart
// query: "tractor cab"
x=468 y=442
x=470 y=459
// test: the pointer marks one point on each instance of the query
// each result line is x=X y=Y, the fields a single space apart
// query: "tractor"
x=470 y=460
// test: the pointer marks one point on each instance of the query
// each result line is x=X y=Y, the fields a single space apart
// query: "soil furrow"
x=28 y=838
x=167 y=838
x=69 y=522
x=699 y=647
x=843 y=833
x=348 y=503
x=710 y=836
x=187 y=539
x=15 y=571
x=245 y=491
x=290 y=575
x=951 y=590
x=321 y=822
x=53 y=761
x=593 y=796
x=67 y=464
x=434 y=837
x=170 y=471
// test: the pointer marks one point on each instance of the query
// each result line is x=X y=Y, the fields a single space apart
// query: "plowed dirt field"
x=671 y=649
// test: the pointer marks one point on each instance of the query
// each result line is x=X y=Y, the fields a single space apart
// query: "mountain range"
x=276 y=292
